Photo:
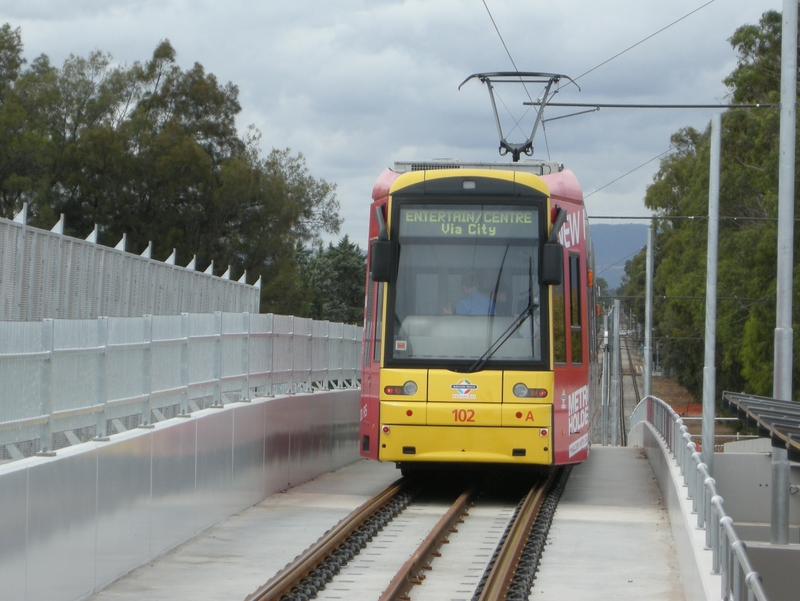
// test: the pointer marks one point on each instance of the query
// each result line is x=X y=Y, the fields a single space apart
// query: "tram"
x=479 y=316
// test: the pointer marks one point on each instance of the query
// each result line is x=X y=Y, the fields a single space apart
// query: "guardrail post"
x=687 y=474
x=726 y=552
x=676 y=433
x=701 y=497
x=327 y=354
x=185 y=365
x=245 y=368
x=47 y=393
x=708 y=511
x=271 y=338
x=694 y=481
x=713 y=527
x=749 y=581
x=684 y=452
x=738 y=573
x=292 y=346
x=101 y=429
x=218 y=360
x=308 y=358
x=147 y=374
x=685 y=445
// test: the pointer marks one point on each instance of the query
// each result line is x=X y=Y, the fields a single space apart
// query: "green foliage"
x=10 y=56
x=152 y=151
x=747 y=247
x=334 y=278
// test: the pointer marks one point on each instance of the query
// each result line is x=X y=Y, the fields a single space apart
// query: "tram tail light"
x=522 y=391
x=385 y=429
x=407 y=389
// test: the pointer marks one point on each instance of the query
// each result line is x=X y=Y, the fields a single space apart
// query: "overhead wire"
x=511 y=58
x=544 y=132
x=629 y=172
x=514 y=64
x=644 y=40
x=620 y=54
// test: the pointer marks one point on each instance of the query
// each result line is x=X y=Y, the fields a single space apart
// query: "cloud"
x=357 y=84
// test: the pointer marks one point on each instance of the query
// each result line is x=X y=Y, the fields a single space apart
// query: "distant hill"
x=613 y=246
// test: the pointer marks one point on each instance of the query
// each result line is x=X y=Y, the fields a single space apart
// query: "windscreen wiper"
x=526 y=312
x=481 y=361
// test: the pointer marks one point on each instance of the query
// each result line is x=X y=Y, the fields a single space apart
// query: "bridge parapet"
x=71 y=381
x=75 y=522
x=715 y=562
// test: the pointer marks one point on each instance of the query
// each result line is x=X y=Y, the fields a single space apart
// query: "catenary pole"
x=648 y=318
x=709 y=365
x=606 y=372
x=615 y=379
x=782 y=383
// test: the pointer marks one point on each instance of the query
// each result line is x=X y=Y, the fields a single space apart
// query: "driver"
x=474 y=301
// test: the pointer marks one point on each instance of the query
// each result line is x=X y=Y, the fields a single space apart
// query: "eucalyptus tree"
x=748 y=207
x=152 y=150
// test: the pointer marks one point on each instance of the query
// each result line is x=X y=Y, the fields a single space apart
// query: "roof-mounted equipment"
x=548 y=80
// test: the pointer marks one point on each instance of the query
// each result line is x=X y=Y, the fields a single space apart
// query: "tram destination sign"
x=436 y=221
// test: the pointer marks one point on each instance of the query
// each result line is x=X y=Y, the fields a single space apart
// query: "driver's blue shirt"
x=474 y=303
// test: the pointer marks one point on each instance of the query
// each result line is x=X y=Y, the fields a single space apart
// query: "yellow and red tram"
x=478 y=338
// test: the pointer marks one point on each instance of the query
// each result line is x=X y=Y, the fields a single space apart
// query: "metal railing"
x=45 y=274
x=69 y=381
x=729 y=553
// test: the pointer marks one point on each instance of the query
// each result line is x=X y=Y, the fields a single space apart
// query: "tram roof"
x=536 y=167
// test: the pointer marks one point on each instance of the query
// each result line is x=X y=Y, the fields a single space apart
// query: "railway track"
x=409 y=519
x=632 y=367
x=626 y=409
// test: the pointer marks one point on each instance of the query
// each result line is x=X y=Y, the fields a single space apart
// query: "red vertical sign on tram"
x=571 y=403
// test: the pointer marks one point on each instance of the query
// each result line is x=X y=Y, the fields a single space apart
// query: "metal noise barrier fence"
x=69 y=381
x=729 y=553
x=48 y=275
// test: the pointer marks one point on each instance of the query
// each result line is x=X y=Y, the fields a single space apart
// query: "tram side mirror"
x=380 y=266
x=552 y=264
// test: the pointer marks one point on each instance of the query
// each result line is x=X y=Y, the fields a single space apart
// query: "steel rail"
x=633 y=373
x=283 y=582
x=413 y=571
x=499 y=579
x=624 y=429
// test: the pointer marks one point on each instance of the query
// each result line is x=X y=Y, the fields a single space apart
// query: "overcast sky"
x=356 y=84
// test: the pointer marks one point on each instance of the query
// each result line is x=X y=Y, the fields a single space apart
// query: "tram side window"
x=378 y=323
x=575 y=308
x=559 y=325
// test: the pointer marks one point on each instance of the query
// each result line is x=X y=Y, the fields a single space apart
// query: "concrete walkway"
x=611 y=536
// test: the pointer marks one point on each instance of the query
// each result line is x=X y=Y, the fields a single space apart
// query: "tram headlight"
x=522 y=391
x=410 y=388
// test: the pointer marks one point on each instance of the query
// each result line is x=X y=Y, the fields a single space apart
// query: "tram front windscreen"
x=467 y=289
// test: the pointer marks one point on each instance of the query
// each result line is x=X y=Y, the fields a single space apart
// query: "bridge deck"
x=610 y=538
